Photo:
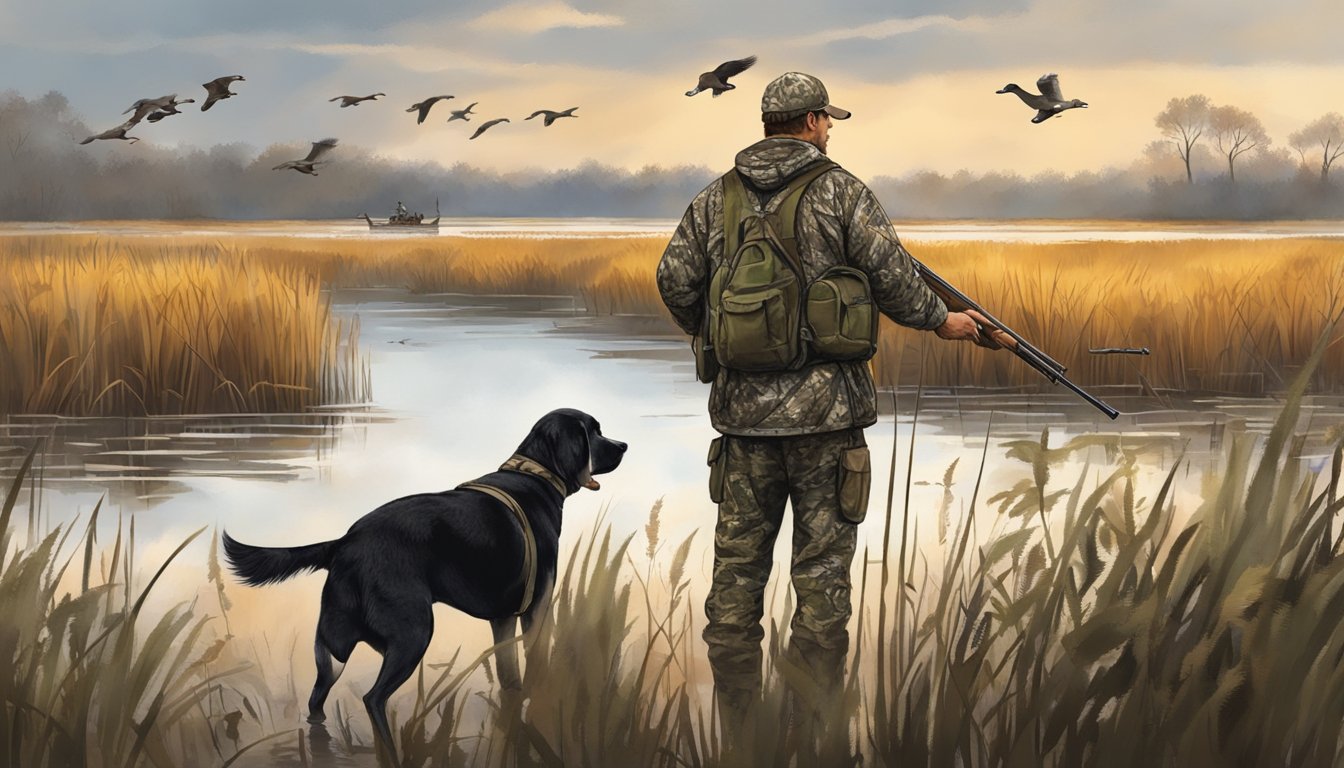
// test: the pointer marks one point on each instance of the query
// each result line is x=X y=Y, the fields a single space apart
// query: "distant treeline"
x=45 y=174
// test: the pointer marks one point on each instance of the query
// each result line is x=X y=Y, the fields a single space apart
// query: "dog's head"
x=570 y=443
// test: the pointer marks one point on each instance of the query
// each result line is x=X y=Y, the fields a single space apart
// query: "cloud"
x=531 y=18
x=888 y=28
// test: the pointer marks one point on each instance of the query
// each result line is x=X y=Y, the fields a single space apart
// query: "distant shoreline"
x=581 y=227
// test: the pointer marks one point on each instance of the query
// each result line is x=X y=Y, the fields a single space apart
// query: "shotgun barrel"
x=1047 y=366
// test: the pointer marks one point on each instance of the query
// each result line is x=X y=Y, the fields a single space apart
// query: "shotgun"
x=957 y=301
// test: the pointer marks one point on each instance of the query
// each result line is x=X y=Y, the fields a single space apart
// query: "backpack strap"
x=785 y=214
x=734 y=202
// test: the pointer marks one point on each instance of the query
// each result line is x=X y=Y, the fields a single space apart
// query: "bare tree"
x=1326 y=134
x=1184 y=121
x=1236 y=132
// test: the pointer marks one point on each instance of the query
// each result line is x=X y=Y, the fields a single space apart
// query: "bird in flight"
x=219 y=89
x=115 y=133
x=717 y=80
x=486 y=125
x=354 y=101
x=153 y=104
x=424 y=106
x=170 y=108
x=461 y=114
x=551 y=117
x=1049 y=102
x=309 y=164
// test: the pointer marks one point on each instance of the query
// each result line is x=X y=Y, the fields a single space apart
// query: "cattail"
x=981 y=629
x=1035 y=564
x=651 y=529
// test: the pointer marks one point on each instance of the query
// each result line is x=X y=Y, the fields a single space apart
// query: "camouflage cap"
x=793 y=94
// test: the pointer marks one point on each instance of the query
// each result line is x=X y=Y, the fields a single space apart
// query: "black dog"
x=464 y=547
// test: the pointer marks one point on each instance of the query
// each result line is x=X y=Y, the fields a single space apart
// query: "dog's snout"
x=620 y=446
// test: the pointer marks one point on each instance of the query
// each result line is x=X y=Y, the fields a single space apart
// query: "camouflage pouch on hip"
x=855 y=479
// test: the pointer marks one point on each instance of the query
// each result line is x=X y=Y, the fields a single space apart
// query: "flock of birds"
x=155 y=110
x=1048 y=103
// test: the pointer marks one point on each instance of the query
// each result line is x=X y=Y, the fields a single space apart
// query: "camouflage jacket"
x=839 y=222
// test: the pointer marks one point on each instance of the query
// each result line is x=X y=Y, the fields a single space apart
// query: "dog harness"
x=521 y=463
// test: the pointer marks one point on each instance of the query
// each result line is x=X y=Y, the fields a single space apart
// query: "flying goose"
x=486 y=125
x=115 y=133
x=160 y=103
x=461 y=114
x=1049 y=103
x=144 y=108
x=219 y=89
x=353 y=101
x=309 y=164
x=171 y=108
x=717 y=81
x=551 y=117
x=424 y=106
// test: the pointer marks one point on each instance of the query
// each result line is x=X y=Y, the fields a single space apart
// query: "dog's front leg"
x=506 y=652
x=535 y=615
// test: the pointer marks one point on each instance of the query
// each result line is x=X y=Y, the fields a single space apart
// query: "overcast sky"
x=919 y=76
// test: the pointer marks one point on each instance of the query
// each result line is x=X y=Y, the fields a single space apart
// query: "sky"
x=919 y=76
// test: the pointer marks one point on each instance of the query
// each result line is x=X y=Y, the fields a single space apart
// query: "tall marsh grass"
x=184 y=324
x=95 y=327
x=89 y=678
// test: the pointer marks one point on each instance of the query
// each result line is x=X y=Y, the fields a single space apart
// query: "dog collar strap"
x=520 y=463
x=529 y=539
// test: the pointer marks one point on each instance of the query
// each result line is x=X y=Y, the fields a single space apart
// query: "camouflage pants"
x=757 y=476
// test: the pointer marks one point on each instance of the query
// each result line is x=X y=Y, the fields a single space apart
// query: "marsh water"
x=457 y=382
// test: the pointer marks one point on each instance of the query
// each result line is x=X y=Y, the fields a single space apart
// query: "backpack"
x=761 y=316
x=755 y=296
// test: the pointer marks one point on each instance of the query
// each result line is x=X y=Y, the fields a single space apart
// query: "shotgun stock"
x=1047 y=366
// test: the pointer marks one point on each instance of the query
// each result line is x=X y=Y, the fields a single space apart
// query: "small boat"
x=404 y=219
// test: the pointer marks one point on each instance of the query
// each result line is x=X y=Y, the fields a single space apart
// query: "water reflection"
x=149 y=459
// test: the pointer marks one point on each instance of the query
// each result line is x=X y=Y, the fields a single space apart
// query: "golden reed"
x=172 y=324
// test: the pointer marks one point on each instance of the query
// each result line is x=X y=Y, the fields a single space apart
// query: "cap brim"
x=836 y=112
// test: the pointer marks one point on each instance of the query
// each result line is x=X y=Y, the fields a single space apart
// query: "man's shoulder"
x=837 y=186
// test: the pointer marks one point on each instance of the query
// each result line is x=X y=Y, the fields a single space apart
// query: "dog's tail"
x=266 y=565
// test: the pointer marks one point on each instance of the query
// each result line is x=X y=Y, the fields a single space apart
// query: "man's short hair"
x=793 y=125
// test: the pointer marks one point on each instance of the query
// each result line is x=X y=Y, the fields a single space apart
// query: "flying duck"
x=1049 y=103
x=717 y=80
x=461 y=114
x=219 y=89
x=424 y=106
x=551 y=117
x=353 y=101
x=309 y=164
x=487 y=124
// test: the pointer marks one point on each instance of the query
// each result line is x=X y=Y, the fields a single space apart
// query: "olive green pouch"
x=856 y=477
x=718 y=457
x=706 y=365
x=841 y=315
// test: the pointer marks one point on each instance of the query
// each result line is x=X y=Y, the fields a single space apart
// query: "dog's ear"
x=560 y=442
